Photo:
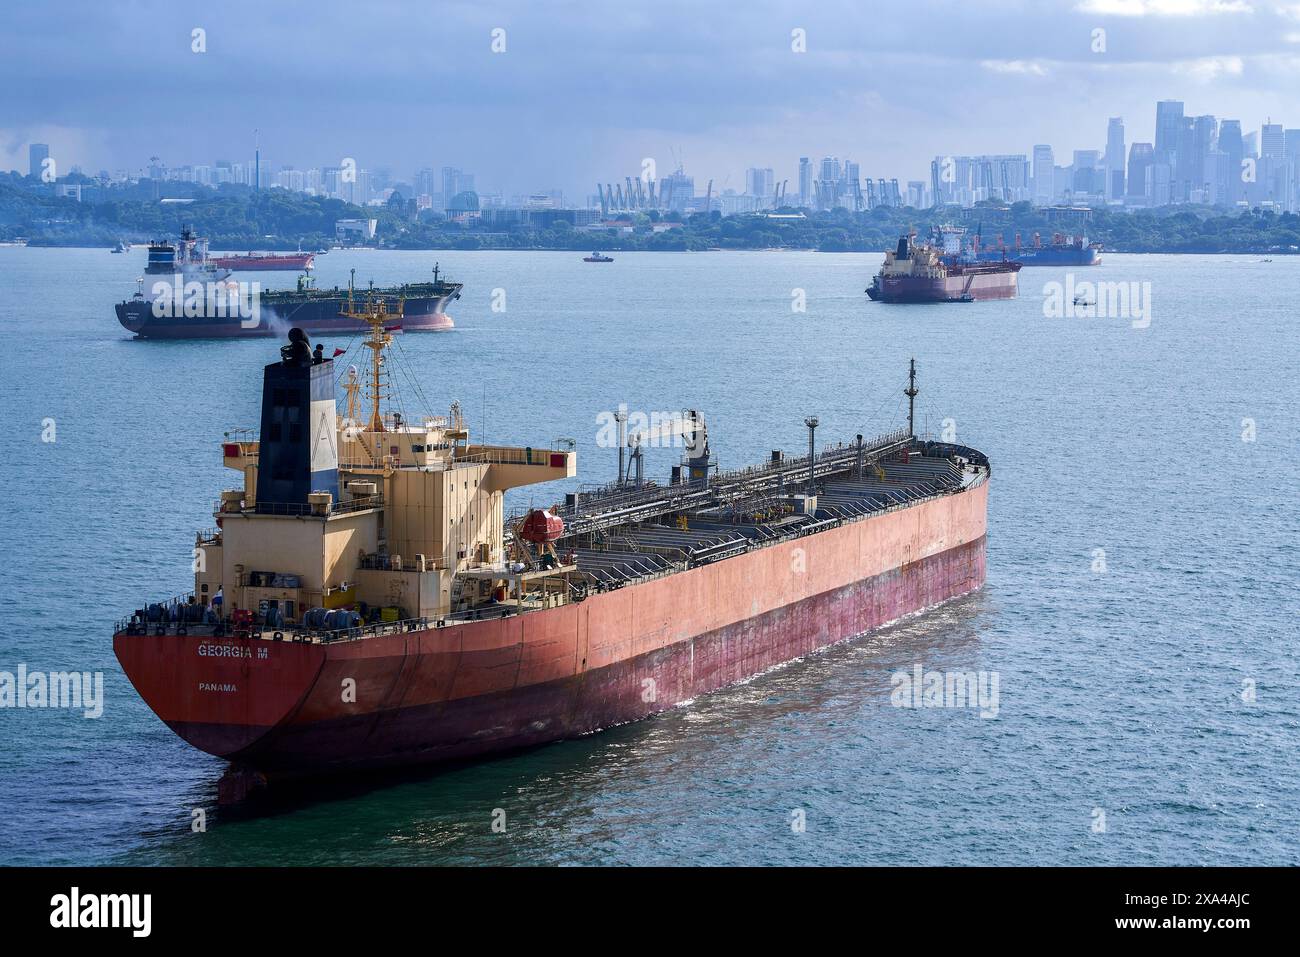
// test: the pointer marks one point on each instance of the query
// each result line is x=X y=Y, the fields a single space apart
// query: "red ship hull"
x=972 y=283
x=485 y=686
x=271 y=261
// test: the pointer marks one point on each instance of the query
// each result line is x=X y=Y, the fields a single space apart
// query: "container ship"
x=926 y=272
x=266 y=261
x=1063 y=250
x=365 y=601
x=174 y=307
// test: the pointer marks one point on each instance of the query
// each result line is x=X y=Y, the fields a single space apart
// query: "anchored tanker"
x=924 y=272
x=365 y=601
x=192 y=296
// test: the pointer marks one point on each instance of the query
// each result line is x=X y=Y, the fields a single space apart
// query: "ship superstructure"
x=364 y=600
x=187 y=257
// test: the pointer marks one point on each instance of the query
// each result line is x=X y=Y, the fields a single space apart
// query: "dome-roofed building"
x=463 y=206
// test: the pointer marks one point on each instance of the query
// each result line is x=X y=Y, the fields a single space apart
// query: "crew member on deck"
x=318 y=356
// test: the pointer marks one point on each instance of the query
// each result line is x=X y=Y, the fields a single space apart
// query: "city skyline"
x=717 y=94
x=1192 y=159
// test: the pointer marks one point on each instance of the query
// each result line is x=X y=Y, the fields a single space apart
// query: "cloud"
x=1021 y=67
x=1207 y=69
x=1163 y=8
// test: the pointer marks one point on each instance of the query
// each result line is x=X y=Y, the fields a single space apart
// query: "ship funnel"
x=297 y=454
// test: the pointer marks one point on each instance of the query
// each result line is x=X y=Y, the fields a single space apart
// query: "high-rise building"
x=1271 y=141
x=1087 y=179
x=426 y=182
x=760 y=182
x=1291 y=145
x=853 y=183
x=455 y=181
x=1044 y=175
x=1230 y=143
x=1160 y=183
x=677 y=192
x=1140 y=158
x=1203 y=141
x=37 y=154
x=1169 y=124
x=805 y=181
x=1115 y=158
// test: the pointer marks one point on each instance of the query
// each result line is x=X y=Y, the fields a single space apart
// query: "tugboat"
x=925 y=272
x=365 y=601
x=596 y=257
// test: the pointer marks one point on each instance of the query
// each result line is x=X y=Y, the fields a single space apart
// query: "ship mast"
x=376 y=316
x=911 y=392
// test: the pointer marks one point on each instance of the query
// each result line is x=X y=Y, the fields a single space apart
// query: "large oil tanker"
x=191 y=297
x=926 y=272
x=364 y=601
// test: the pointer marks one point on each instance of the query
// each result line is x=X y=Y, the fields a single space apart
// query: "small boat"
x=596 y=257
x=121 y=247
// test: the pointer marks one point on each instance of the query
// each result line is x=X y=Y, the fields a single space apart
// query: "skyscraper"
x=1205 y=140
x=1169 y=122
x=1115 y=158
x=1140 y=157
x=1271 y=141
x=760 y=182
x=805 y=181
x=1230 y=143
x=37 y=154
x=1044 y=175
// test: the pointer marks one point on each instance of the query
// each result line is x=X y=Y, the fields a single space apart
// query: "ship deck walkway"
x=632 y=549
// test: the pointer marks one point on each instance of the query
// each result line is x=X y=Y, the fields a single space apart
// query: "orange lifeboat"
x=542 y=527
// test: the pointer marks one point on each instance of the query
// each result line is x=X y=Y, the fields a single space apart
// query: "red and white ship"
x=923 y=272
x=364 y=601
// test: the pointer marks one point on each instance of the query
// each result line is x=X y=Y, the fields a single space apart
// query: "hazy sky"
x=587 y=90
